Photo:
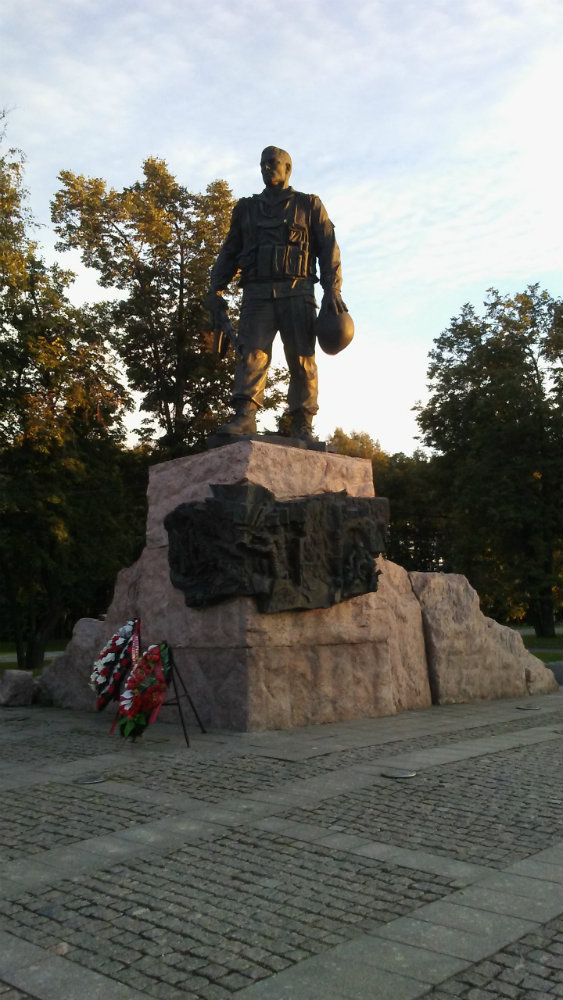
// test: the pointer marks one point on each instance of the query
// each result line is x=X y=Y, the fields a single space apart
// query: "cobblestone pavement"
x=529 y=969
x=292 y=864
x=491 y=826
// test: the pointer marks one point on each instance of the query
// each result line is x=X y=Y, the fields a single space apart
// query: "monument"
x=263 y=563
x=275 y=241
x=313 y=653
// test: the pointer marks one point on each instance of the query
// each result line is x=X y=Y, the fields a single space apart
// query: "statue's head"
x=275 y=165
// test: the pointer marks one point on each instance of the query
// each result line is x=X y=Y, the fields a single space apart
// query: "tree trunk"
x=37 y=641
x=542 y=617
x=16 y=618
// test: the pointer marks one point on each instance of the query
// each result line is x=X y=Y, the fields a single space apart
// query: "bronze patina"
x=275 y=243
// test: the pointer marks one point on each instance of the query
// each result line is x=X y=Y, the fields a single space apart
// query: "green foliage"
x=494 y=418
x=156 y=242
x=358 y=444
x=64 y=484
x=417 y=529
x=419 y=524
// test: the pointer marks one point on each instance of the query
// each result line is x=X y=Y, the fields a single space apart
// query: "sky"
x=430 y=129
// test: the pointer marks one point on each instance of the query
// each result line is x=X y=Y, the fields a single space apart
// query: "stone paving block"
x=111 y=847
x=237 y=814
x=505 y=902
x=467 y=944
x=481 y=746
x=307 y=832
x=538 y=870
x=377 y=851
x=521 y=885
x=84 y=857
x=328 y=977
x=248 y=809
x=15 y=953
x=278 y=988
x=551 y=855
x=30 y=872
x=55 y=978
x=499 y=927
x=166 y=833
x=285 y=798
x=342 y=841
x=422 y=964
x=426 y=862
x=11 y=888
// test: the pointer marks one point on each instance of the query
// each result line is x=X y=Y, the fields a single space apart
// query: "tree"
x=357 y=444
x=416 y=536
x=494 y=419
x=156 y=242
x=418 y=522
x=63 y=498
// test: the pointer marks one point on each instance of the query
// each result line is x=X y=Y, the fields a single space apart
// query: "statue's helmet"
x=334 y=331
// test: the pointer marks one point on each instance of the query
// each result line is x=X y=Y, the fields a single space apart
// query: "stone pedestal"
x=377 y=654
x=249 y=671
x=287 y=472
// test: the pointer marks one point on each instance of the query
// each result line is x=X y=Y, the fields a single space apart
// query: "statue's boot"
x=302 y=425
x=244 y=421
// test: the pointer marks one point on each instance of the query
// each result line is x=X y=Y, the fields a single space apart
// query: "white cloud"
x=430 y=130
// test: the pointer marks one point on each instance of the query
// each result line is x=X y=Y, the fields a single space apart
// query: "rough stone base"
x=65 y=680
x=373 y=655
x=249 y=671
x=470 y=656
x=16 y=688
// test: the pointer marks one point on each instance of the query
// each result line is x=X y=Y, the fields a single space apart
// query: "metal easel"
x=177 y=679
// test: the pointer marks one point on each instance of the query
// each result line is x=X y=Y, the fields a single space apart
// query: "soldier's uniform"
x=275 y=244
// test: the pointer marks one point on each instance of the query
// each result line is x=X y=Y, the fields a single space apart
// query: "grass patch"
x=546 y=657
x=13 y=665
x=535 y=642
x=53 y=646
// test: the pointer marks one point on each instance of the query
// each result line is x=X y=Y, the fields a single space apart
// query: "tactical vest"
x=276 y=246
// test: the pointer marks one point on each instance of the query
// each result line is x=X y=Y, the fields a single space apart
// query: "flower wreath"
x=114 y=662
x=145 y=691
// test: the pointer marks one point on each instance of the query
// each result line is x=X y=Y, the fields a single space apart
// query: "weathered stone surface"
x=287 y=472
x=470 y=656
x=406 y=637
x=270 y=687
x=16 y=688
x=64 y=681
x=146 y=586
x=539 y=678
x=249 y=671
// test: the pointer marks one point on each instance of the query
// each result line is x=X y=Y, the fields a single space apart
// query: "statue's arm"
x=226 y=265
x=328 y=255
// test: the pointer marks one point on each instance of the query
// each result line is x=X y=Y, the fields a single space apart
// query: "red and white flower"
x=145 y=691
x=117 y=657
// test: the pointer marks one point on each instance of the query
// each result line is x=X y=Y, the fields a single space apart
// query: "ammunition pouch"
x=281 y=249
x=275 y=262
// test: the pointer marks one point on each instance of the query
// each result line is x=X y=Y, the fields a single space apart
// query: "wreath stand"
x=177 y=679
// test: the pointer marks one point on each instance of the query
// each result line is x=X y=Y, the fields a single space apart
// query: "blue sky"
x=431 y=129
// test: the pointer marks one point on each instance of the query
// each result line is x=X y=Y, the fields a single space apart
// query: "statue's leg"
x=296 y=323
x=257 y=329
x=255 y=337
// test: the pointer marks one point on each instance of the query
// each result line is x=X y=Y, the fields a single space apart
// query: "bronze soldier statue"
x=275 y=241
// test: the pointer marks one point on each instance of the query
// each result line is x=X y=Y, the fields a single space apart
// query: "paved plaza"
x=290 y=864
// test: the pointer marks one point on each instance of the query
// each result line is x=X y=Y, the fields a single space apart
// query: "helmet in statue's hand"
x=334 y=331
